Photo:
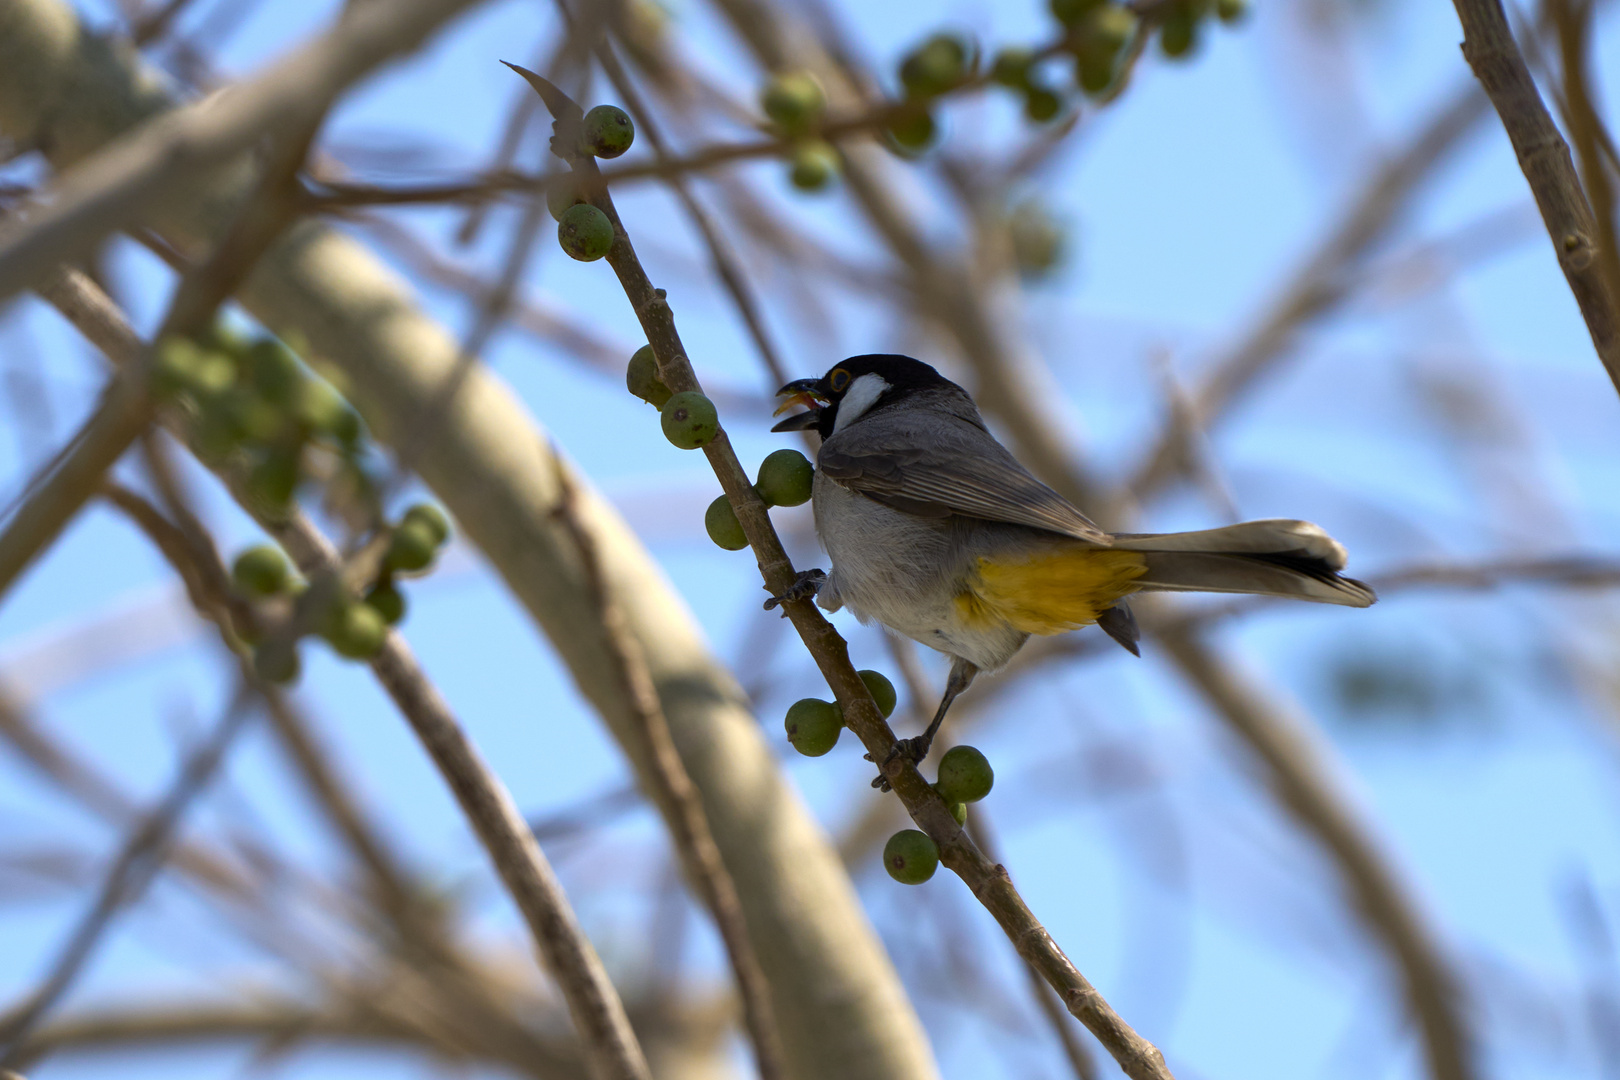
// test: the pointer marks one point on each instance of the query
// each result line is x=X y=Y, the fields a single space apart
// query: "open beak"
x=800 y=392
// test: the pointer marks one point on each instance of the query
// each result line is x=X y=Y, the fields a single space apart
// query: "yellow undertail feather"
x=1050 y=593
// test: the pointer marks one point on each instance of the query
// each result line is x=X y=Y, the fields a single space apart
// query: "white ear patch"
x=862 y=395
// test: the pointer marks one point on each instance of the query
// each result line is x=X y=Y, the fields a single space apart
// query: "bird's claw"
x=914 y=749
x=806 y=585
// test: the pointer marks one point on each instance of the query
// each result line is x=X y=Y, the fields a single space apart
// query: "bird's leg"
x=807 y=584
x=916 y=749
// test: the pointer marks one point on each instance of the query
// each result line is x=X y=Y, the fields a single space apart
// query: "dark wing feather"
x=934 y=464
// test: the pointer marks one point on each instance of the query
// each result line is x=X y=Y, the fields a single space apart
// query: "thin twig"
x=1543 y=155
x=724 y=259
x=138 y=861
x=689 y=824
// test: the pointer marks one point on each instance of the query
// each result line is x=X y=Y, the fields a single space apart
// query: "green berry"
x=1179 y=34
x=175 y=364
x=1095 y=75
x=785 y=478
x=274 y=371
x=215 y=436
x=934 y=67
x=273 y=480
x=689 y=420
x=881 y=689
x=1109 y=27
x=815 y=164
x=261 y=570
x=607 y=131
x=724 y=529
x=562 y=192
x=215 y=374
x=584 y=232
x=388 y=600
x=258 y=420
x=1042 y=105
x=794 y=101
x=1011 y=67
x=1231 y=11
x=911 y=856
x=641 y=378
x=411 y=547
x=322 y=410
x=277 y=663
x=432 y=518
x=1069 y=12
x=964 y=775
x=355 y=630
x=1038 y=241
x=912 y=131
x=813 y=726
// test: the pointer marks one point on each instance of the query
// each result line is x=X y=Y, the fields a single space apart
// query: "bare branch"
x=138 y=861
x=690 y=825
x=1544 y=156
x=116 y=188
x=990 y=883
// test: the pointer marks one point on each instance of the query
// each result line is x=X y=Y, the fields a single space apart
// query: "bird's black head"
x=863 y=383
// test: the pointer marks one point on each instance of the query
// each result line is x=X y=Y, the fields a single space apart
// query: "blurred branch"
x=610 y=1047
x=989 y=883
x=137 y=862
x=117 y=187
x=689 y=824
x=1489 y=47
x=1302 y=780
x=841 y=1006
x=56 y=494
x=1573 y=20
x=1323 y=282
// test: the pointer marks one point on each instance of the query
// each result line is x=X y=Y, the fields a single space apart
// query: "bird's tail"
x=1277 y=557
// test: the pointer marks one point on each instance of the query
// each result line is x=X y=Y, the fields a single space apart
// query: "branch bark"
x=1490 y=50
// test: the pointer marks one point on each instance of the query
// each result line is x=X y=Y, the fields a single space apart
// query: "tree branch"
x=989 y=882
x=1543 y=155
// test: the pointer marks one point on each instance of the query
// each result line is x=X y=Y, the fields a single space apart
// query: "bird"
x=936 y=531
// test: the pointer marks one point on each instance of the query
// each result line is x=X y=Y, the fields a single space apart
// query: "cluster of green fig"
x=795 y=102
x=355 y=627
x=813 y=725
x=940 y=64
x=965 y=776
x=1178 y=33
x=253 y=404
x=583 y=230
x=784 y=479
x=689 y=419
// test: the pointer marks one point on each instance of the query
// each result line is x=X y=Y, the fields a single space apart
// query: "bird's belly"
x=907 y=573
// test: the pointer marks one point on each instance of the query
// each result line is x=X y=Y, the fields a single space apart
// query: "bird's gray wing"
x=934 y=464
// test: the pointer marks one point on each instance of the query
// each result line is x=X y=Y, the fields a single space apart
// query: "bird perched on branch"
x=937 y=532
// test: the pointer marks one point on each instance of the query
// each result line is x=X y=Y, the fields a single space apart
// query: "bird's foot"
x=806 y=585
x=914 y=750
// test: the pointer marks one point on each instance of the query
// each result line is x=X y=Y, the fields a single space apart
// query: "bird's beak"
x=801 y=392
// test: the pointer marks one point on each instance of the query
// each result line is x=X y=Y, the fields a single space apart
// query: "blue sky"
x=1127 y=813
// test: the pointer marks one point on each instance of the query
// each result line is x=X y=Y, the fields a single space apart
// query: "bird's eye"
x=838 y=380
